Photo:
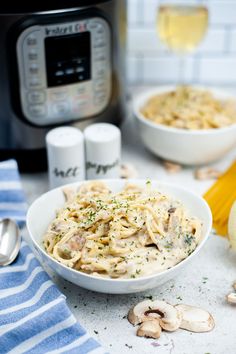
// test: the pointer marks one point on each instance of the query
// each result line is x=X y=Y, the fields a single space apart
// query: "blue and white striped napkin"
x=34 y=316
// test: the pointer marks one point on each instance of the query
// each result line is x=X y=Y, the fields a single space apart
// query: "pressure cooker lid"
x=26 y=6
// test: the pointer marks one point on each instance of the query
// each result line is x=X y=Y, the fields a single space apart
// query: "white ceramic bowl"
x=42 y=212
x=190 y=147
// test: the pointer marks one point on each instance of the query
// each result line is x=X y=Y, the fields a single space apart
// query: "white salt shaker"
x=65 y=152
x=102 y=151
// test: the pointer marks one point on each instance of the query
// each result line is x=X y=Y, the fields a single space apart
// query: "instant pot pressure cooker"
x=61 y=63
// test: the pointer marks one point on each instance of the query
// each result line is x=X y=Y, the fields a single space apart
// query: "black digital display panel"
x=68 y=59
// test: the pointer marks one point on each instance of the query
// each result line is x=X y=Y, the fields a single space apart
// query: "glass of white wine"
x=182 y=26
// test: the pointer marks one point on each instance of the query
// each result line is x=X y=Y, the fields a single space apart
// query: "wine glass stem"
x=182 y=64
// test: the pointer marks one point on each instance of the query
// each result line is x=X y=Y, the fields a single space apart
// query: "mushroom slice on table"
x=195 y=319
x=128 y=171
x=150 y=329
x=169 y=317
x=231 y=298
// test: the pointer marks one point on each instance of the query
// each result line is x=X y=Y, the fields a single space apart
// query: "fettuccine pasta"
x=132 y=233
x=190 y=108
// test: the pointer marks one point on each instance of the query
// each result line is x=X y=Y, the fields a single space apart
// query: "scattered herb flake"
x=150 y=297
x=188 y=239
x=128 y=346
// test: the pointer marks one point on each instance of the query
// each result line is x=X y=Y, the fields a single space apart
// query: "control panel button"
x=34 y=82
x=80 y=103
x=100 y=29
x=101 y=94
x=59 y=95
x=92 y=25
x=61 y=107
x=32 y=54
x=36 y=97
x=31 y=40
x=34 y=69
x=99 y=85
x=99 y=56
x=37 y=110
x=100 y=72
x=81 y=89
x=99 y=43
x=99 y=100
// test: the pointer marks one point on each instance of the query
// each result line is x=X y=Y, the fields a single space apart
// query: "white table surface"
x=205 y=283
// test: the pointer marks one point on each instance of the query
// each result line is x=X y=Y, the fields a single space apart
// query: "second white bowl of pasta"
x=189 y=125
x=117 y=236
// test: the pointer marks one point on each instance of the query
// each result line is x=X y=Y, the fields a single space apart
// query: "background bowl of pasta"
x=189 y=125
x=114 y=237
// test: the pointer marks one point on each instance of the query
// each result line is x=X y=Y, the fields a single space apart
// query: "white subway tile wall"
x=149 y=61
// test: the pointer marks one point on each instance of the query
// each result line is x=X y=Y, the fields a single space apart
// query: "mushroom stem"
x=150 y=329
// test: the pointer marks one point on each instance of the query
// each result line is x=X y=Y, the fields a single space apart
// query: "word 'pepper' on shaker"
x=102 y=150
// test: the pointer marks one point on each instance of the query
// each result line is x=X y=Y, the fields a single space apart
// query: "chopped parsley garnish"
x=169 y=244
x=188 y=239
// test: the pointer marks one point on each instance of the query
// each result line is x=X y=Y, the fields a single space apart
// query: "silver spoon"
x=10 y=241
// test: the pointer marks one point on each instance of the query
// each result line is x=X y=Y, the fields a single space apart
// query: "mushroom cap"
x=169 y=316
x=137 y=314
x=150 y=329
x=195 y=319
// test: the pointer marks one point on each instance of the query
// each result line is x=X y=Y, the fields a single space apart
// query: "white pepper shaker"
x=102 y=151
x=65 y=152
